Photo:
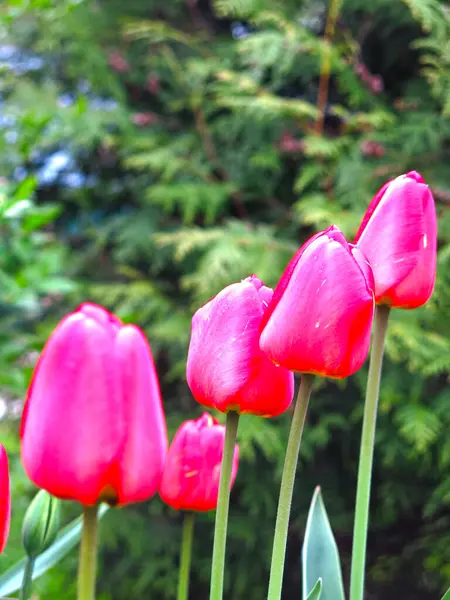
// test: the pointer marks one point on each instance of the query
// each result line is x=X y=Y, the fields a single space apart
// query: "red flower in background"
x=192 y=471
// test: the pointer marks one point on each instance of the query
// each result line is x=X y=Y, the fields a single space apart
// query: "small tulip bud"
x=191 y=474
x=41 y=524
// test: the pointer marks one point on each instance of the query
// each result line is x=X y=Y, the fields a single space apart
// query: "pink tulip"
x=226 y=369
x=5 y=499
x=192 y=471
x=93 y=426
x=320 y=317
x=398 y=235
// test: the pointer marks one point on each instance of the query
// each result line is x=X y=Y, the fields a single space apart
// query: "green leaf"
x=320 y=556
x=11 y=581
x=316 y=592
x=25 y=189
x=446 y=596
x=39 y=216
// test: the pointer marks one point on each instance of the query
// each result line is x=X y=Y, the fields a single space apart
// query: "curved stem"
x=366 y=455
x=287 y=488
x=25 y=590
x=220 y=531
x=185 y=558
x=87 y=566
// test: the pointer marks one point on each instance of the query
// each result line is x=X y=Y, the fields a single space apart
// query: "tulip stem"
x=185 y=558
x=25 y=590
x=366 y=454
x=87 y=566
x=287 y=488
x=220 y=531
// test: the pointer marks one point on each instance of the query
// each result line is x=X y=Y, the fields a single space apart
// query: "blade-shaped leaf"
x=316 y=592
x=67 y=539
x=446 y=596
x=320 y=556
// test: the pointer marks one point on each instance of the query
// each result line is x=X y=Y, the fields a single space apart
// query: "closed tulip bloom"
x=5 y=499
x=226 y=369
x=320 y=316
x=93 y=426
x=192 y=471
x=398 y=236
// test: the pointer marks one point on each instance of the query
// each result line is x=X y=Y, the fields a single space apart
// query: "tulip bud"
x=226 y=369
x=93 y=425
x=398 y=235
x=191 y=474
x=320 y=317
x=41 y=524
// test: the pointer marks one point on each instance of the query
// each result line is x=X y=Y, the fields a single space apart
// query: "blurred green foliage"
x=153 y=152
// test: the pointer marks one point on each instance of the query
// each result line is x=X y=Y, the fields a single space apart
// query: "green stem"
x=220 y=531
x=366 y=455
x=185 y=559
x=287 y=488
x=25 y=590
x=87 y=566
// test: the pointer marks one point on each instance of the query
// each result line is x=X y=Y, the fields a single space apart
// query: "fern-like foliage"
x=158 y=151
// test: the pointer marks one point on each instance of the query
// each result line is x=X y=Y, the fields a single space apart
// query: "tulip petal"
x=5 y=495
x=144 y=450
x=364 y=265
x=417 y=287
x=322 y=321
x=226 y=368
x=392 y=234
x=282 y=284
x=71 y=428
x=223 y=342
x=192 y=470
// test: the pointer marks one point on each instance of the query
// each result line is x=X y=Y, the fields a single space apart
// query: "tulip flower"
x=5 y=499
x=398 y=236
x=192 y=471
x=320 y=316
x=226 y=369
x=93 y=427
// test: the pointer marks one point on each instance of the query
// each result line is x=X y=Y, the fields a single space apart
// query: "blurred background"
x=153 y=152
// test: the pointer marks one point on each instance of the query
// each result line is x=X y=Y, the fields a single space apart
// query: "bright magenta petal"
x=5 y=499
x=417 y=287
x=192 y=470
x=71 y=428
x=144 y=450
x=364 y=266
x=322 y=321
x=224 y=339
x=398 y=237
x=226 y=368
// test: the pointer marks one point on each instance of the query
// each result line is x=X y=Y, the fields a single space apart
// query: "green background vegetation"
x=153 y=152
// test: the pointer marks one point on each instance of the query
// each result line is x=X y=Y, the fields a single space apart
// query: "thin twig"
x=325 y=67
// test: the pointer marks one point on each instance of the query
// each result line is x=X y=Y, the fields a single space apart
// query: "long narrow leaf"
x=67 y=539
x=446 y=596
x=320 y=556
x=316 y=592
